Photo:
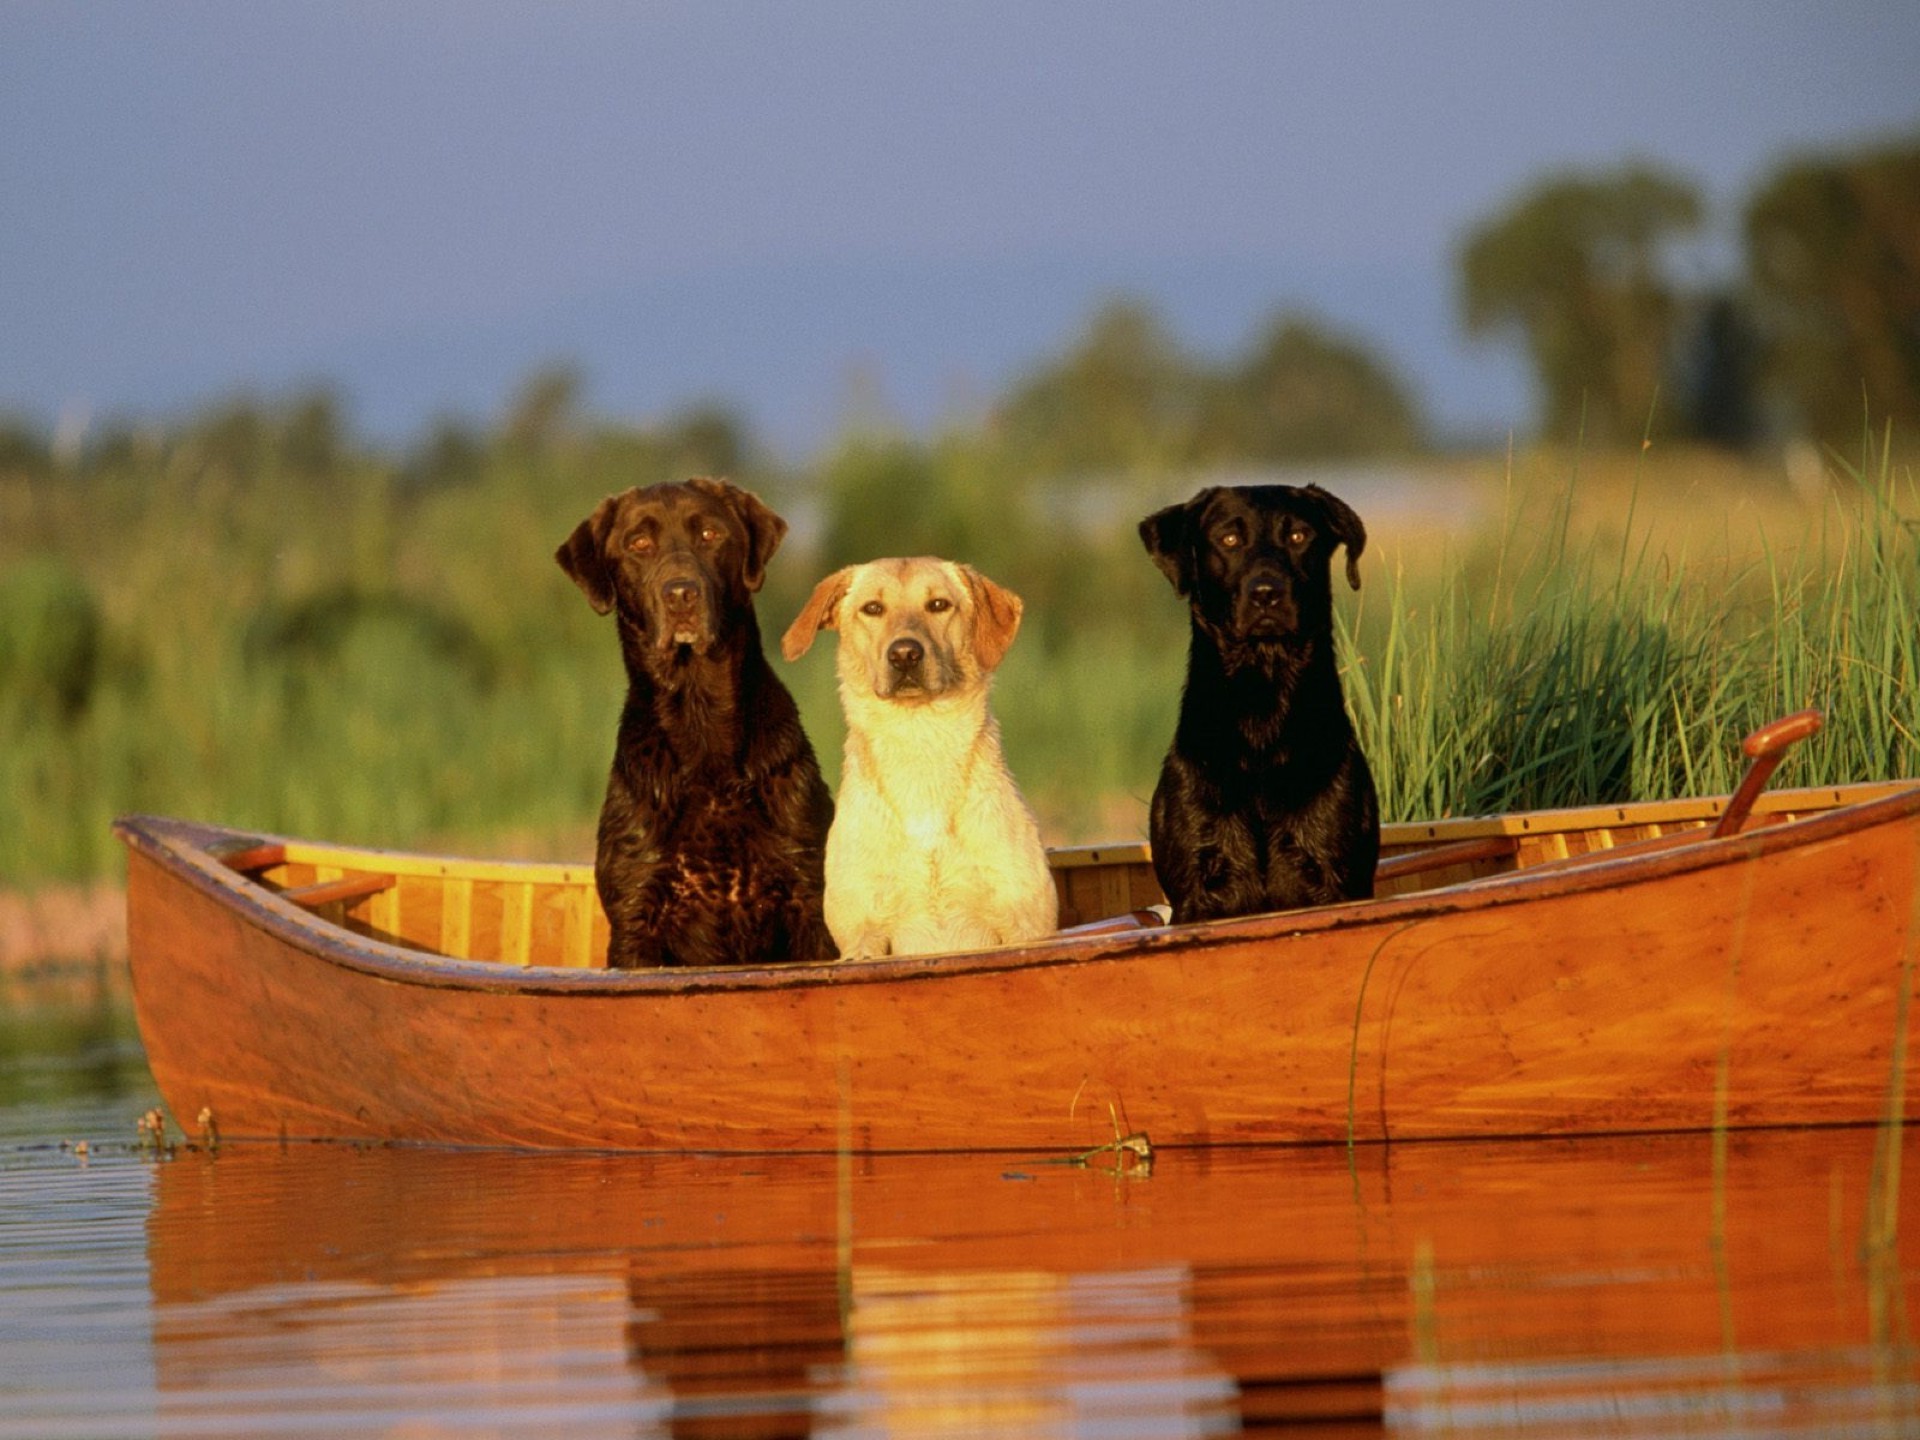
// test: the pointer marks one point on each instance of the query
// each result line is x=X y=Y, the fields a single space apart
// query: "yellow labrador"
x=932 y=847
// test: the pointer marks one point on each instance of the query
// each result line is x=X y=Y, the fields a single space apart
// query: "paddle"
x=1766 y=748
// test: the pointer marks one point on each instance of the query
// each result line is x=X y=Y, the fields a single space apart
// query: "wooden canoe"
x=1595 y=970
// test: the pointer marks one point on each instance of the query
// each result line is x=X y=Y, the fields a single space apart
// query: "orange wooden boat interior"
x=1606 y=969
x=534 y=914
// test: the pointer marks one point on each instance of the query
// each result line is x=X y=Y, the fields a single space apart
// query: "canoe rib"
x=1605 y=995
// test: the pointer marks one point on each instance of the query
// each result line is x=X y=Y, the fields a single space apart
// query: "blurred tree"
x=451 y=455
x=1305 y=393
x=23 y=450
x=1719 y=399
x=543 y=410
x=707 y=439
x=1123 y=396
x=885 y=496
x=1574 y=266
x=233 y=441
x=313 y=435
x=1833 y=252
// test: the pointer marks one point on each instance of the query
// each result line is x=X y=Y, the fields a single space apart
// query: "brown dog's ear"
x=996 y=617
x=816 y=615
x=1169 y=538
x=1345 y=527
x=765 y=530
x=584 y=555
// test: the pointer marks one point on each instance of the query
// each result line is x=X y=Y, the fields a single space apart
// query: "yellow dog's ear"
x=816 y=615
x=996 y=617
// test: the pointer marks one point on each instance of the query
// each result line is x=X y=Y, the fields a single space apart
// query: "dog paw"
x=867 y=945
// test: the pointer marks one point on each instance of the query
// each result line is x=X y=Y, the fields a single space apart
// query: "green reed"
x=1589 y=676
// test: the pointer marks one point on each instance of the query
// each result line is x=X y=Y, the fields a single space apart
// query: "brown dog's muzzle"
x=684 y=610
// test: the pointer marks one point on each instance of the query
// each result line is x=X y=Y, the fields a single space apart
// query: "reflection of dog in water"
x=932 y=846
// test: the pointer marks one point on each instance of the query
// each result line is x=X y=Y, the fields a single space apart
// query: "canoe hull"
x=1757 y=980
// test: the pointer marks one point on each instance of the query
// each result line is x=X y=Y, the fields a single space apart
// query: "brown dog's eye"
x=640 y=544
x=939 y=605
x=873 y=607
x=711 y=534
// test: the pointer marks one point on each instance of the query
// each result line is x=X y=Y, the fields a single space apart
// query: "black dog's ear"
x=1169 y=538
x=1345 y=527
x=765 y=530
x=584 y=555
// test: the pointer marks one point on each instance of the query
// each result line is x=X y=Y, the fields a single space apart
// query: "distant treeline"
x=1820 y=329
x=258 y=616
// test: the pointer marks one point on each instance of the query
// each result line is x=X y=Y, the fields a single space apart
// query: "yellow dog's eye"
x=873 y=607
x=939 y=605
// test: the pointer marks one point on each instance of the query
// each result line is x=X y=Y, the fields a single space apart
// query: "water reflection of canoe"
x=1568 y=972
x=1643 y=1284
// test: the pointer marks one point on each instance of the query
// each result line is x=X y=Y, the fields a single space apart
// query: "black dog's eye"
x=640 y=543
x=873 y=607
x=1297 y=535
x=939 y=605
x=1228 y=540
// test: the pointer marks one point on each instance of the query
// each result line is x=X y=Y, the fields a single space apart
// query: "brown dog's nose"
x=905 y=654
x=679 y=594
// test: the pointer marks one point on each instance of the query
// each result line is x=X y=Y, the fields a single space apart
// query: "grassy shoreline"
x=358 y=660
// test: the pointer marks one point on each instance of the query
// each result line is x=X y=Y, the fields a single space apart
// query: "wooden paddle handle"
x=1766 y=748
x=1773 y=739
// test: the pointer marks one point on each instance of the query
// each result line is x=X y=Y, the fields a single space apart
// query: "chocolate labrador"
x=1265 y=801
x=713 y=833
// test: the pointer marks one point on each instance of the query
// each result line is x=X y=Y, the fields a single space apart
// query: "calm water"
x=1578 y=1288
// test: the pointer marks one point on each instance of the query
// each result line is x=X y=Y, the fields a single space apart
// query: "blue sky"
x=804 y=208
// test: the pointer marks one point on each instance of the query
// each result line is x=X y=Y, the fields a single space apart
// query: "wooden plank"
x=383 y=911
x=1439 y=857
x=516 y=923
x=329 y=892
x=456 y=916
x=1116 y=893
x=578 y=951
x=256 y=857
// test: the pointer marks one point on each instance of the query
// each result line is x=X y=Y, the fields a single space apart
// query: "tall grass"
x=364 y=660
x=1585 y=675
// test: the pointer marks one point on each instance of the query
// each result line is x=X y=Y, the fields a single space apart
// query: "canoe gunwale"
x=188 y=852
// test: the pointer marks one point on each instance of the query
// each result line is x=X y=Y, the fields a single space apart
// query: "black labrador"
x=713 y=834
x=1265 y=801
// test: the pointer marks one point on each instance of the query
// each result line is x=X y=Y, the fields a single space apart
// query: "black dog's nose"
x=905 y=654
x=1264 y=594
x=679 y=594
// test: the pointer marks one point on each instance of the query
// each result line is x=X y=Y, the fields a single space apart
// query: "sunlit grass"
x=357 y=662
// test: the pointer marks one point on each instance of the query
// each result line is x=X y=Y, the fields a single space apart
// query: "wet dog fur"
x=932 y=847
x=712 y=836
x=1265 y=801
